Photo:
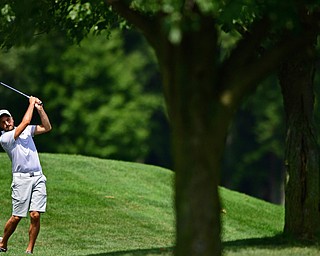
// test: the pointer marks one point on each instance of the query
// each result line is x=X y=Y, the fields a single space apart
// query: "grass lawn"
x=102 y=207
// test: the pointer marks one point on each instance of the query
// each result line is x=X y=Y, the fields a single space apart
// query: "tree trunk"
x=302 y=217
x=199 y=123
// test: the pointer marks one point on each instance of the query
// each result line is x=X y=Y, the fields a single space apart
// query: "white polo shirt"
x=22 y=151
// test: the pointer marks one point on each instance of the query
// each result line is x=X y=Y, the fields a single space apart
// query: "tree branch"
x=246 y=78
x=248 y=46
x=146 y=24
x=239 y=79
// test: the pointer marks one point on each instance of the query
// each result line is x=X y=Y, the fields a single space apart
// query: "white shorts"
x=28 y=194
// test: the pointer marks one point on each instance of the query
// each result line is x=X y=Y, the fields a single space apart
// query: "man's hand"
x=32 y=100
x=36 y=102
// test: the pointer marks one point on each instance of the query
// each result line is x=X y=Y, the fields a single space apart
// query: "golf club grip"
x=41 y=103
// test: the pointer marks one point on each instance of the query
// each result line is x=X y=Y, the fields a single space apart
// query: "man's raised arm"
x=45 y=122
x=26 y=118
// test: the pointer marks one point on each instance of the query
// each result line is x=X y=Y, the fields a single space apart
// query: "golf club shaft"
x=14 y=89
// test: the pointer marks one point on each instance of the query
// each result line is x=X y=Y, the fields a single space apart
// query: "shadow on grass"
x=142 y=252
x=279 y=241
x=275 y=242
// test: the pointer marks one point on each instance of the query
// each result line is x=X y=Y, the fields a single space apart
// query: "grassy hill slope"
x=104 y=207
x=96 y=206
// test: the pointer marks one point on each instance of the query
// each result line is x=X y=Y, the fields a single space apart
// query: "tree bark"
x=296 y=77
x=199 y=125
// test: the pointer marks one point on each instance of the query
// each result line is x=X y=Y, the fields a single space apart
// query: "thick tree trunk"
x=302 y=217
x=198 y=146
x=199 y=123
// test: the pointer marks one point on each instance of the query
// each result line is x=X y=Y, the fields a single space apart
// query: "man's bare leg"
x=9 y=228
x=33 y=230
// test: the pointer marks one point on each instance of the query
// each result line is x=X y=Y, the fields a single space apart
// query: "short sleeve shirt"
x=22 y=151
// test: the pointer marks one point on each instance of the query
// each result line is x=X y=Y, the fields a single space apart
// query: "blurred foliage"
x=253 y=161
x=21 y=20
x=103 y=97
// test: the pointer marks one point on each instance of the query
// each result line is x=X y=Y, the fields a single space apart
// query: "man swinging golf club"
x=28 y=182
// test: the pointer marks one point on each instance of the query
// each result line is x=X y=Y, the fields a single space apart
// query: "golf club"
x=14 y=89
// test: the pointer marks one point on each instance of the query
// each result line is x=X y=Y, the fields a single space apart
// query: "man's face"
x=6 y=123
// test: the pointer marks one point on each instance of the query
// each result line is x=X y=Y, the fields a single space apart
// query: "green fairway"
x=101 y=207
